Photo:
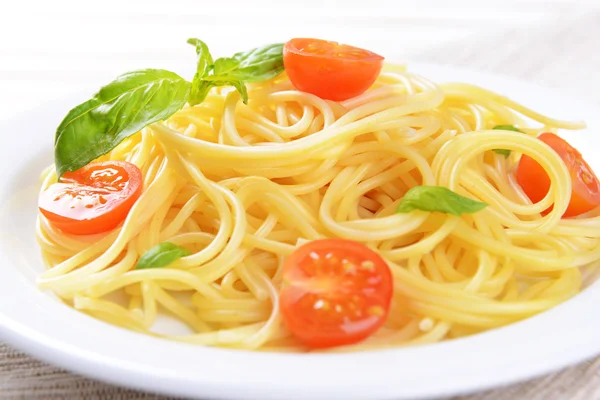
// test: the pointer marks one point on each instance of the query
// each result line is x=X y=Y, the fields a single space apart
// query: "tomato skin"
x=336 y=292
x=330 y=70
x=93 y=199
x=534 y=180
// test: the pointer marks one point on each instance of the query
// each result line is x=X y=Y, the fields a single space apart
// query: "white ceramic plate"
x=41 y=325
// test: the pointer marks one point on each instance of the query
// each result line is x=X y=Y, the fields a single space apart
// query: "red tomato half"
x=534 y=180
x=335 y=292
x=330 y=70
x=93 y=199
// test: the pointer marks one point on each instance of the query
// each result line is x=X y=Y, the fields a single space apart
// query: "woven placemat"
x=563 y=55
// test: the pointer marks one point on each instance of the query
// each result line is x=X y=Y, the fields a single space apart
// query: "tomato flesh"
x=330 y=70
x=534 y=180
x=336 y=292
x=93 y=199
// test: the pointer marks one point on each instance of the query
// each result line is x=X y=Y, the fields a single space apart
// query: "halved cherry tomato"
x=534 y=180
x=330 y=70
x=93 y=199
x=335 y=292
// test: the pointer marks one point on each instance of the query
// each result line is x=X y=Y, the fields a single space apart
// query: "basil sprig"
x=161 y=255
x=139 y=98
x=438 y=199
x=505 y=152
x=259 y=64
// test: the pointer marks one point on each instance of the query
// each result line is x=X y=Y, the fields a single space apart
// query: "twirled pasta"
x=243 y=185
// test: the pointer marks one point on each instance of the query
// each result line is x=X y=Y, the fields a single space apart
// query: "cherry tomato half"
x=93 y=199
x=535 y=181
x=330 y=70
x=335 y=292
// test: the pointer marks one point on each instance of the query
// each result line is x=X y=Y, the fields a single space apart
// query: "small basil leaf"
x=199 y=91
x=205 y=61
x=203 y=67
x=438 y=199
x=239 y=86
x=117 y=111
x=505 y=152
x=502 y=152
x=224 y=65
x=228 y=80
x=255 y=65
x=161 y=255
x=507 y=128
x=259 y=64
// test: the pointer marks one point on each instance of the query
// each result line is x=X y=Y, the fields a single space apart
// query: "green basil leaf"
x=505 y=152
x=255 y=65
x=203 y=67
x=200 y=91
x=117 y=111
x=507 y=128
x=259 y=64
x=238 y=85
x=224 y=65
x=228 y=80
x=438 y=199
x=205 y=61
x=502 y=152
x=161 y=255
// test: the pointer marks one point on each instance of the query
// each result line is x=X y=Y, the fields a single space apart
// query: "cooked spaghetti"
x=241 y=186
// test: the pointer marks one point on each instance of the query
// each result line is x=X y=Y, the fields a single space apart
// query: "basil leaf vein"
x=119 y=109
x=438 y=199
x=161 y=255
x=505 y=152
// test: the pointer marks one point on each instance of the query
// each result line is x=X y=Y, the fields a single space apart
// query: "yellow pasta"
x=241 y=186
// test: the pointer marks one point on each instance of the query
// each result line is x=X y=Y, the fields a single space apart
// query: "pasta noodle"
x=241 y=186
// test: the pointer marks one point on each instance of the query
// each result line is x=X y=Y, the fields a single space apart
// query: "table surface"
x=52 y=48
